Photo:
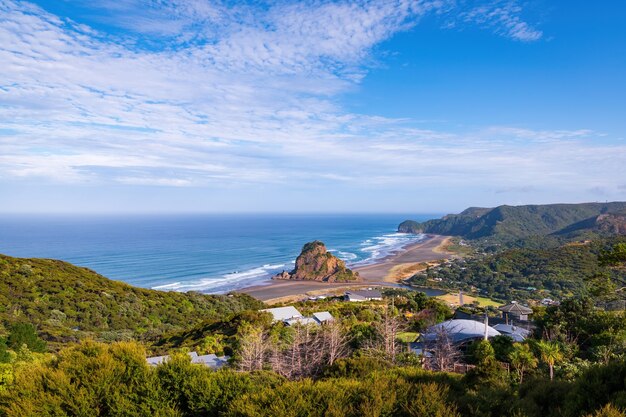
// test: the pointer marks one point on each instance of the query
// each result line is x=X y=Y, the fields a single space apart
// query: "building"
x=322 y=317
x=364 y=295
x=283 y=313
x=460 y=331
x=518 y=334
x=291 y=316
x=212 y=361
x=515 y=311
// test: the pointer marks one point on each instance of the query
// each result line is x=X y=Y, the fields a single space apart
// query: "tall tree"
x=522 y=359
x=550 y=354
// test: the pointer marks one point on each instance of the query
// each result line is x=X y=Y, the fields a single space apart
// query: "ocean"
x=206 y=253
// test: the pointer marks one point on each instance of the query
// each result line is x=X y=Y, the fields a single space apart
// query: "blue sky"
x=286 y=106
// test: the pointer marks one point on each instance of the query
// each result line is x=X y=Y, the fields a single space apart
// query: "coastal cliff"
x=315 y=263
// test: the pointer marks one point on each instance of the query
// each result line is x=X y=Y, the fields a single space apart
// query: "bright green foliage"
x=66 y=302
x=550 y=353
x=522 y=360
x=93 y=379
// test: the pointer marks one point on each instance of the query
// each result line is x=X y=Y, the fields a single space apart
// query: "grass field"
x=453 y=299
x=407 y=337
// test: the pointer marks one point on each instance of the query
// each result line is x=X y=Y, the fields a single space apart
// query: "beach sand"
x=385 y=272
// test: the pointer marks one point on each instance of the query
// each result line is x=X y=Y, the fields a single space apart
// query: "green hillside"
x=527 y=273
x=67 y=303
x=505 y=224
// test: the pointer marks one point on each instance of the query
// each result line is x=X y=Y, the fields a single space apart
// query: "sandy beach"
x=385 y=272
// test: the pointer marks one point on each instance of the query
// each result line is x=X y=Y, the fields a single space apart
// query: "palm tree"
x=522 y=359
x=550 y=354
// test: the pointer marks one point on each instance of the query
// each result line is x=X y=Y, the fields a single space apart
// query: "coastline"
x=386 y=272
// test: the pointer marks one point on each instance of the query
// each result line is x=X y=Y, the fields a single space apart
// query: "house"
x=291 y=316
x=364 y=295
x=212 y=361
x=516 y=311
x=518 y=334
x=322 y=317
x=283 y=313
x=460 y=331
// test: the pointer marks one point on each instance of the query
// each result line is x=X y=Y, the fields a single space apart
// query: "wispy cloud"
x=248 y=95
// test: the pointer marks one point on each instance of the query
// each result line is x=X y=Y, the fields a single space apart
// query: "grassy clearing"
x=453 y=299
x=407 y=337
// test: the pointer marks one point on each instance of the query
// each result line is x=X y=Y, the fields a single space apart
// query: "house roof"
x=212 y=360
x=511 y=329
x=283 y=313
x=460 y=330
x=300 y=320
x=515 y=308
x=322 y=316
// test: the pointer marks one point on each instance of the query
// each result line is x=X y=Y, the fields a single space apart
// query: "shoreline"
x=386 y=272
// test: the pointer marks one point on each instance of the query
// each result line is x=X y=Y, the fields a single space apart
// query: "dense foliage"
x=66 y=302
x=522 y=274
x=93 y=379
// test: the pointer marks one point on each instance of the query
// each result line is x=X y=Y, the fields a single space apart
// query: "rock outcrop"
x=315 y=263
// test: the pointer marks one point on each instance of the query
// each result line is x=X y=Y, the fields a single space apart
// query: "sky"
x=424 y=106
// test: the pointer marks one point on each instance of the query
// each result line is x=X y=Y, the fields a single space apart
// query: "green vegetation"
x=523 y=274
x=94 y=379
x=67 y=303
x=509 y=224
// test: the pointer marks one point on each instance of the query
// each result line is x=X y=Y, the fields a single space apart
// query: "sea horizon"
x=208 y=252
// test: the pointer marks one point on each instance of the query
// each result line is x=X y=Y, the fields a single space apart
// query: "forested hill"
x=66 y=302
x=510 y=223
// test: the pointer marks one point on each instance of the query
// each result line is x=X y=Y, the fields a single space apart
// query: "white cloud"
x=251 y=101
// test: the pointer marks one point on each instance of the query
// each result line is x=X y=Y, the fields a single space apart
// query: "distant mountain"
x=315 y=263
x=510 y=223
x=66 y=302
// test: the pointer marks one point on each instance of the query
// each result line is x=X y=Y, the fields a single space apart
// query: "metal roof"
x=212 y=361
x=322 y=316
x=283 y=313
x=460 y=330
x=300 y=320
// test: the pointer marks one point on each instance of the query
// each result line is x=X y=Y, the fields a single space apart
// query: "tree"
x=25 y=334
x=252 y=348
x=443 y=352
x=614 y=257
x=522 y=359
x=334 y=342
x=550 y=354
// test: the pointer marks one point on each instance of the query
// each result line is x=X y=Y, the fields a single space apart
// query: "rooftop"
x=283 y=313
x=460 y=330
x=515 y=308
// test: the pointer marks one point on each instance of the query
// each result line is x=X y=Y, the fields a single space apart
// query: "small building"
x=363 y=295
x=283 y=313
x=212 y=361
x=322 y=317
x=516 y=311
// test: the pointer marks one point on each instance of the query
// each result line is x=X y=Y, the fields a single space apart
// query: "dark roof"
x=515 y=308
